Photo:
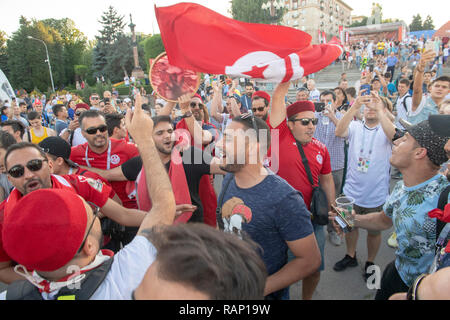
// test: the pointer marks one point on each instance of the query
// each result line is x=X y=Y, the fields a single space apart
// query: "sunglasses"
x=194 y=104
x=306 y=121
x=96 y=210
x=260 y=109
x=95 y=98
x=101 y=128
x=33 y=165
x=78 y=113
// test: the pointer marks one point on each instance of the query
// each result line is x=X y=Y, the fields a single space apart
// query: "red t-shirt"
x=88 y=188
x=121 y=151
x=290 y=165
x=93 y=175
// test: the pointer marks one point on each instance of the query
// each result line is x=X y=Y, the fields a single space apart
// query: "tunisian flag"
x=199 y=39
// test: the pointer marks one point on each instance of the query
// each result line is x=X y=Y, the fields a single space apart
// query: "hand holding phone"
x=365 y=90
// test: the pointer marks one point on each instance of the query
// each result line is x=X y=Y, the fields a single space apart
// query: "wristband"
x=412 y=292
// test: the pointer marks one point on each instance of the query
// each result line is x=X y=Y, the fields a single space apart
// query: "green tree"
x=428 y=23
x=416 y=24
x=361 y=23
x=153 y=47
x=112 y=30
x=3 y=56
x=251 y=11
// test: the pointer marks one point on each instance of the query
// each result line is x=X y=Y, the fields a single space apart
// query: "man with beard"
x=185 y=167
x=294 y=135
x=246 y=99
x=255 y=202
x=29 y=170
x=418 y=155
x=260 y=104
x=105 y=153
x=43 y=227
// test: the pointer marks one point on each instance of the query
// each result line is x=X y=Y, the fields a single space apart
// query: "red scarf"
x=180 y=188
x=206 y=190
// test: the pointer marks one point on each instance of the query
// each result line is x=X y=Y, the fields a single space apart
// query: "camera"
x=319 y=106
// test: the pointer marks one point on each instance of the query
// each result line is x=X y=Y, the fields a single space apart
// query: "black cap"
x=428 y=139
x=57 y=147
x=440 y=124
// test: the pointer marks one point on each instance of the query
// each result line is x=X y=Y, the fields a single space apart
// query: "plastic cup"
x=345 y=207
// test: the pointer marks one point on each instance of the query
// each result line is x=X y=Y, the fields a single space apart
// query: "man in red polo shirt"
x=300 y=128
x=104 y=153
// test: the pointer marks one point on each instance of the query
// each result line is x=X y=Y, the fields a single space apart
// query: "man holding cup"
x=367 y=179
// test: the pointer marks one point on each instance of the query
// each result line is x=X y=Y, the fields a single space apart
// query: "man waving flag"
x=239 y=49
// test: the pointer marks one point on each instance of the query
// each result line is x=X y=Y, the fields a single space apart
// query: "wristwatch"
x=412 y=292
x=186 y=115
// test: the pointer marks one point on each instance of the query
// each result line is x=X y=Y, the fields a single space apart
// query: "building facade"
x=312 y=16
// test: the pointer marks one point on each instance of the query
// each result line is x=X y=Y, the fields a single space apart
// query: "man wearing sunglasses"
x=299 y=129
x=104 y=277
x=260 y=104
x=73 y=133
x=29 y=170
x=94 y=100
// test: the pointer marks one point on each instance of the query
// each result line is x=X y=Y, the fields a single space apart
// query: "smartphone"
x=367 y=88
x=107 y=100
x=222 y=78
x=371 y=68
x=319 y=106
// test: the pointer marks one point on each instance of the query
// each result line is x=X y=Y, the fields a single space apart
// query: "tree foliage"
x=361 y=23
x=26 y=58
x=416 y=24
x=251 y=11
x=3 y=56
x=428 y=23
x=153 y=47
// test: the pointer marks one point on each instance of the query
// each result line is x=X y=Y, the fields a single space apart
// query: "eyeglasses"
x=194 y=104
x=33 y=165
x=96 y=210
x=260 y=109
x=101 y=128
x=250 y=115
x=95 y=98
x=306 y=121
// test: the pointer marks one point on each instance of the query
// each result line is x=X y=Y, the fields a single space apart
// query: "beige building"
x=314 y=15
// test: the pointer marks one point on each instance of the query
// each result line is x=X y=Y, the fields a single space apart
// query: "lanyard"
x=108 y=163
x=361 y=151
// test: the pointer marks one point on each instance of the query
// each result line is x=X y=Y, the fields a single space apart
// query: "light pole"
x=273 y=6
x=48 y=60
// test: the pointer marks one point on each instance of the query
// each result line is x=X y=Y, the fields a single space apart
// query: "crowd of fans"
x=163 y=176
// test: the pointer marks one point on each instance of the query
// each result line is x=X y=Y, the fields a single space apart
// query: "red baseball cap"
x=45 y=229
x=299 y=106
x=261 y=94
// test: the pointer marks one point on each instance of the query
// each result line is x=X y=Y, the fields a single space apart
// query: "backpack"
x=404 y=102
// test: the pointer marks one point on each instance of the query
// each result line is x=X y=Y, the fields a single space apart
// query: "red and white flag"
x=199 y=39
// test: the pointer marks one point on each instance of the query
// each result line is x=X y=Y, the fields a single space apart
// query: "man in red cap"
x=73 y=133
x=260 y=104
x=299 y=129
x=60 y=239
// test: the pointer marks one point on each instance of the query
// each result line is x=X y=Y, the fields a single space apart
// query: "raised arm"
x=427 y=56
x=382 y=112
x=344 y=123
x=216 y=102
x=201 y=137
x=158 y=183
x=167 y=110
x=278 y=112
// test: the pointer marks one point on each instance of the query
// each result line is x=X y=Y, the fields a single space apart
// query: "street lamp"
x=48 y=60
x=273 y=6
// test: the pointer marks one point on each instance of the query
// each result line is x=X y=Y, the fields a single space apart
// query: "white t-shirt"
x=77 y=137
x=314 y=95
x=369 y=189
x=127 y=271
x=401 y=112
x=226 y=120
